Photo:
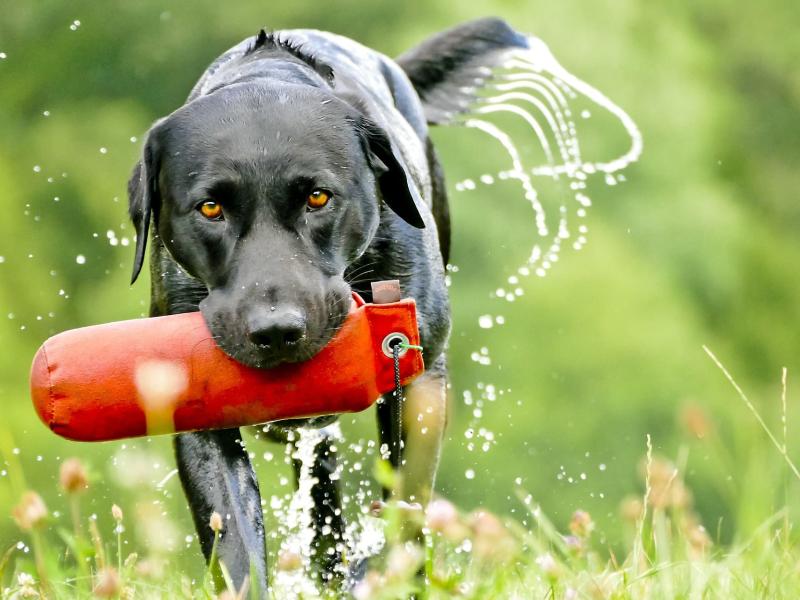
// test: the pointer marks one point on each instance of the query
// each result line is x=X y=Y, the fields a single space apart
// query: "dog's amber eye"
x=318 y=199
x=211 y=210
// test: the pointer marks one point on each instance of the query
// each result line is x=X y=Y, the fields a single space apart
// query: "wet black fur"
x=272 y=118
x=272 y=41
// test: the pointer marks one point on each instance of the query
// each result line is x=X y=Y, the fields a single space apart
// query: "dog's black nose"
x=275 y=329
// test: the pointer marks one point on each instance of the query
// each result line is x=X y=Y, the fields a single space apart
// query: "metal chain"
x=397 y=405
x=397 y=430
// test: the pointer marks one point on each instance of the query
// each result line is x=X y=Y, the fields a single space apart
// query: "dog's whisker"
x=364 y=279
x=355 y=276
x=359 y=270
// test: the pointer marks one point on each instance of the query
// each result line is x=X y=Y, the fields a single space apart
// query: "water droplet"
x=469 y=474
x=485 y=321
x=74 y=25
x=103 y=150
x=80 y=259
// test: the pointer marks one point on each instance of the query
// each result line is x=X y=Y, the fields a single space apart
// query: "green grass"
x=667 y=553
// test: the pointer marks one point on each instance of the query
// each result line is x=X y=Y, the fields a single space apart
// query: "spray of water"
x=295 y=518
x=363 y=536
x=540 y=99
x=533 y=86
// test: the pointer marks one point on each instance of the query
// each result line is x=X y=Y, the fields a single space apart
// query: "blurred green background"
x=700 y=245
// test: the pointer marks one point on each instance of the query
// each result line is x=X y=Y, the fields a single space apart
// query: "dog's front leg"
x=217 y=477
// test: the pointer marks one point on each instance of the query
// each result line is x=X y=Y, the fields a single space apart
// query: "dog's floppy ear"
x=143 y=198
x=397 y=188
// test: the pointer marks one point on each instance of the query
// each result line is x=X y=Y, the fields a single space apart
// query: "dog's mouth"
x=260 y=358
x=230 y=336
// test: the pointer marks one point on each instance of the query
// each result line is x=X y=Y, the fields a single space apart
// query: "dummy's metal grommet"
x=391 y=340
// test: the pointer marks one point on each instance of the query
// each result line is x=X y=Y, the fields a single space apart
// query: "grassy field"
x=667 y=551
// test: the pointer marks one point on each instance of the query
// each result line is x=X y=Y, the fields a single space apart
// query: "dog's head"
x=266 y=195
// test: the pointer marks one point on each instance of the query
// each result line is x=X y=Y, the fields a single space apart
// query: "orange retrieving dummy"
x=166 y=374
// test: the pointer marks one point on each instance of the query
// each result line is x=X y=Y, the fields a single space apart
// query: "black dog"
x=300 y=168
